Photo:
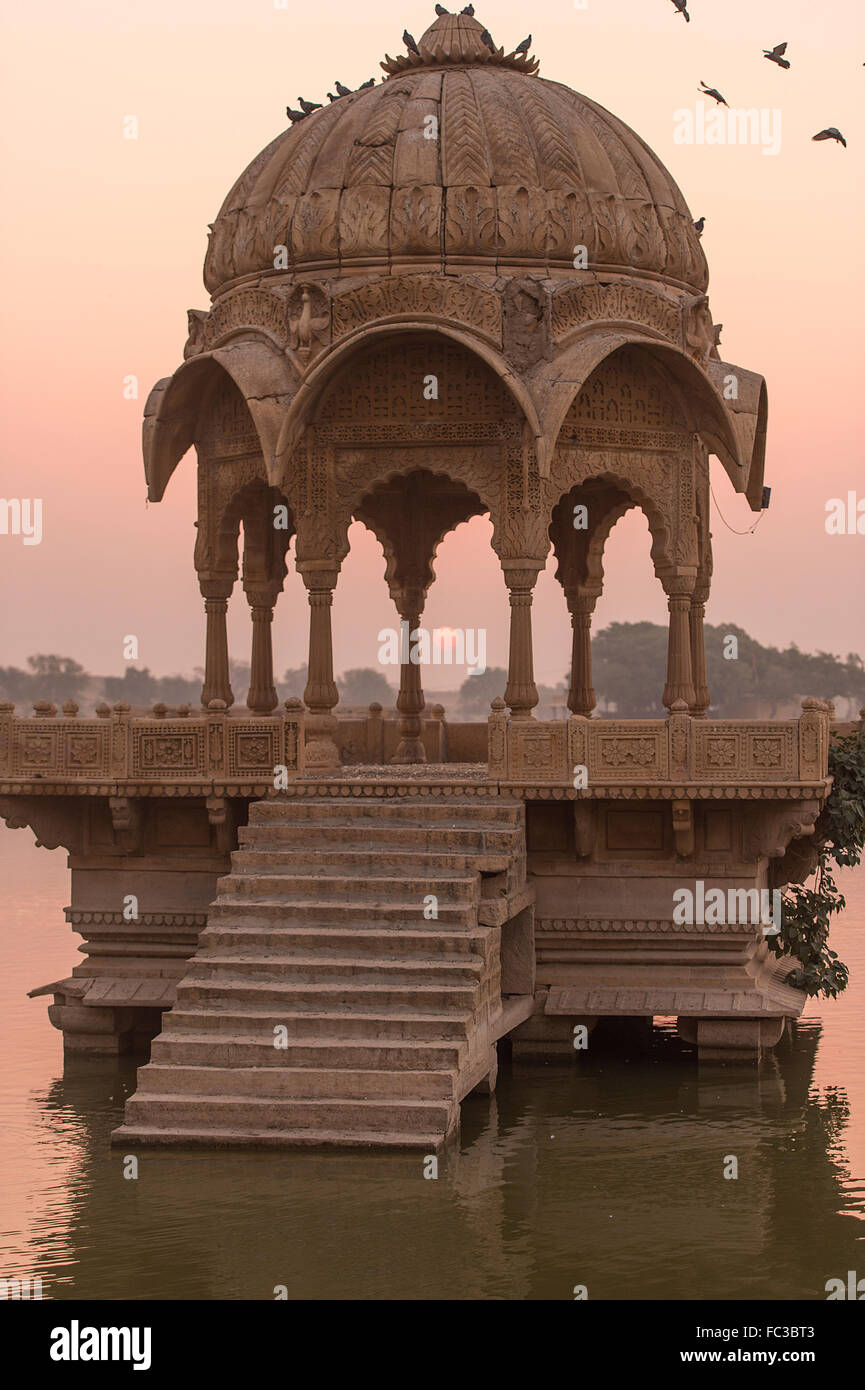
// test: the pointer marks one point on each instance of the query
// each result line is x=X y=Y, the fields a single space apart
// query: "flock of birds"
x=307 y=107
x=774 y=55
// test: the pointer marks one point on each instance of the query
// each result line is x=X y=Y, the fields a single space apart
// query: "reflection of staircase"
x=318 y=935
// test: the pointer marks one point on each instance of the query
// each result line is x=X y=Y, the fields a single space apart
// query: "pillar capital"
x=318 y=576
x=217 y=586
x=521 y=576
x=581 y=600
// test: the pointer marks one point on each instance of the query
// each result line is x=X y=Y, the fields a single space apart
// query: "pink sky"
x=104 y=240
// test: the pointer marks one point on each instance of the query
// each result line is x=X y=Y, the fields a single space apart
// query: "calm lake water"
x=608 y=1174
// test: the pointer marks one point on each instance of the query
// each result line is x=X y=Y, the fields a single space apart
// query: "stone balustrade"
x=721 y=757
x=171 y=750
x=163 y=751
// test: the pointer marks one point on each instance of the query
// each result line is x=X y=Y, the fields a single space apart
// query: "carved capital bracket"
x=683 y=827
x=221 y=815
x=53 y=821
x=126 y=820
x=584 y=829
x=771 y=829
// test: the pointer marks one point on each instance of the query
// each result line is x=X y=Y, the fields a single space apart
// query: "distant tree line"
x=629 y=669
x=629 y=662
x=61 y=678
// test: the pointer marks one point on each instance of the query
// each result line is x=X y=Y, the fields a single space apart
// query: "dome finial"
x=458 y=40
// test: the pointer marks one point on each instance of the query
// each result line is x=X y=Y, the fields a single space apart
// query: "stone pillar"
x=697 y=616
x=581 y=696
x=262 y=697
x=320 y=695
x=680 y=683
x=521 y=693
x=410 y=701
x=216 y=686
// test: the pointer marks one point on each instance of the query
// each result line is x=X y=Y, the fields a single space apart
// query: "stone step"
x=397 y=835
x=475 y=812
x=319 y=930
x=214 y=1136
x=403 y=942
x=322 y=1023
x=295 y=1083
x=369 y=863
x=447 y=998
x=248 y=1049
x=233 y=911
x=346 y=888
x=263 y=1114
x=306 y=969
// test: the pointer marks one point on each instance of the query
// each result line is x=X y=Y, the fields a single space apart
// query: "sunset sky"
x=104 y=240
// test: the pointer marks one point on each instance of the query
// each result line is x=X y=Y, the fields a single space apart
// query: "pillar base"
x=547 y=1038
x=409 y=750
x=320 y=751
x=487 y=1086
x=739 y=1040
x=98 y=1032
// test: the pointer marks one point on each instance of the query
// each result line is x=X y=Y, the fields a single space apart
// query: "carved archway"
x=410 y=514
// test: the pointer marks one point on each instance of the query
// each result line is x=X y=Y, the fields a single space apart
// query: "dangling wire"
x=751 y=529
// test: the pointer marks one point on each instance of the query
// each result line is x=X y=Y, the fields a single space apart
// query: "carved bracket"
x=126 y=818
x=683 y=827
x=222 y=816
x=771 y=830
x=584 y=829
x=54 y=821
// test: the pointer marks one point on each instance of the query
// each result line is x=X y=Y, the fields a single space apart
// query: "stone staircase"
x=385 y=1018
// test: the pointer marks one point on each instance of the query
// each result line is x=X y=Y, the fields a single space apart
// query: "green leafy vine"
x=839 y=838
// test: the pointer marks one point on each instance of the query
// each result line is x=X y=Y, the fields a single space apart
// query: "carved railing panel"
x=722 y=754
x=199 y=750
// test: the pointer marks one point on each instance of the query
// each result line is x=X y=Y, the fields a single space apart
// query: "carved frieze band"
x=650 y=926
x=677 y=748
x=78 y=917
x=247 y=308
x=121 y=748
x=575 y=305
x=438 y=296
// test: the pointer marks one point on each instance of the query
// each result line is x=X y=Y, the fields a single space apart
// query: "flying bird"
x=487 y=38
x=524 y=46
x=363 y=86
x=699 y=225
x=830 y=133
x=776 y=55
x=712 y=92
x=409 y=42
x=295 y=116
x=682 y=7
x=307 y=107
x=343 y=91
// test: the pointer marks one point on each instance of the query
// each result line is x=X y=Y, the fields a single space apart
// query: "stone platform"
x=216 y=909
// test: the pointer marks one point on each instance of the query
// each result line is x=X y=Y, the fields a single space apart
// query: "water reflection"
x=607 y=1174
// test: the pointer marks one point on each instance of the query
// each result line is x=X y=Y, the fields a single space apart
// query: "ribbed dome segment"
x=460 y=160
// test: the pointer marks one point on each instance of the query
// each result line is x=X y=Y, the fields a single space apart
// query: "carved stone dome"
x=461 y=159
